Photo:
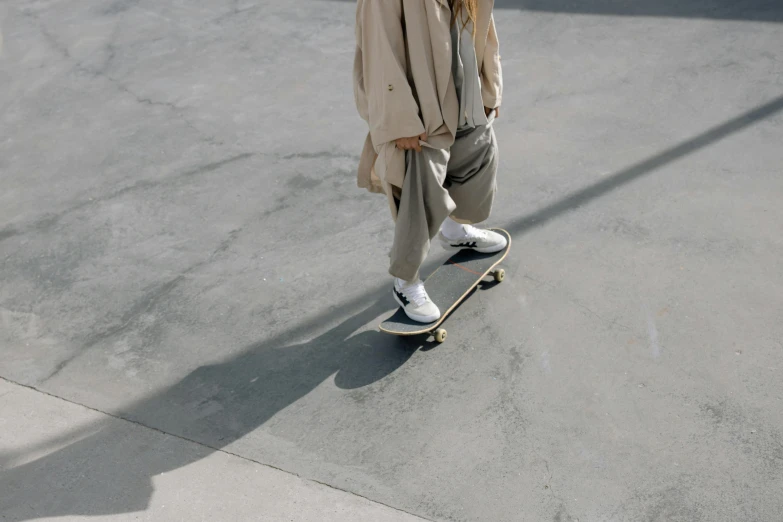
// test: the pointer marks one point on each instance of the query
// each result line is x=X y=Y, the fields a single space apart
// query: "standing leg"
x=472 y=170
x=471 y=182
x=424 y=204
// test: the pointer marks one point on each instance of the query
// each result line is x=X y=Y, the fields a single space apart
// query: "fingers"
x=422 y=137
x=487 y=111
x=413 y=143
x=410 y=143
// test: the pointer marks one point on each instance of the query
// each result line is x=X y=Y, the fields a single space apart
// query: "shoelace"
x=472 y=232
x=416 y=293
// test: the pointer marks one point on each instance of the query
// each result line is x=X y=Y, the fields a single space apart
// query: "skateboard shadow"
x=424 y=339
x=487 y=285
x=107 y=468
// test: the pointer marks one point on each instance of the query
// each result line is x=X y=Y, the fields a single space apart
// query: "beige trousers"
x=457 y=182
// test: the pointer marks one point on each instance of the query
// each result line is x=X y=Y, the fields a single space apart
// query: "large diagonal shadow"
x=647 y=166
x=102 y=474
x=750 y=10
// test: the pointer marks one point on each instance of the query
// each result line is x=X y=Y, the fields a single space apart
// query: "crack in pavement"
x=142 y=306
x=50 y=220
x=102 y=71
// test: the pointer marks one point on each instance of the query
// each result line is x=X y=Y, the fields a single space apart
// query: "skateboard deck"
x=448 y=286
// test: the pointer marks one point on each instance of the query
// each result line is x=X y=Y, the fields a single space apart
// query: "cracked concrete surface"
x=217 y=486
x=183 y=246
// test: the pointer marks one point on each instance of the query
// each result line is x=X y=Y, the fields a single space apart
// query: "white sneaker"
x=413 y=299
x=480 y=240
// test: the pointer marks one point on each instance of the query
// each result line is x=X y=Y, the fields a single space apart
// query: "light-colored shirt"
x=466 y=74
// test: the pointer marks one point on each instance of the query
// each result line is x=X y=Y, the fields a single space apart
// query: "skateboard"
x=448 y=286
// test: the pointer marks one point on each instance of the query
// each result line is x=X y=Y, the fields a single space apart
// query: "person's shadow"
x=108 y=469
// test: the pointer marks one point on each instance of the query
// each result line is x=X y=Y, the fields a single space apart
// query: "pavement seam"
x=207 y=446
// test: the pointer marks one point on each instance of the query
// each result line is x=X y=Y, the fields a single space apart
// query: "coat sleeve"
x=491 y=71
x=383 y=95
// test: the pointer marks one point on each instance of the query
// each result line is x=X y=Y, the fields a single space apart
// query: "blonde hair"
x=470 y=7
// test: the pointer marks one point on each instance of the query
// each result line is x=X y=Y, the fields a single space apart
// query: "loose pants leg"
x=459 y=182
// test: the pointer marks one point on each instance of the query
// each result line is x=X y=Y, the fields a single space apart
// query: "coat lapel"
x=439 y=20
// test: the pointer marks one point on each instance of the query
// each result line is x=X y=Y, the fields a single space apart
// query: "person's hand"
x=411 y=143
x=487 y=110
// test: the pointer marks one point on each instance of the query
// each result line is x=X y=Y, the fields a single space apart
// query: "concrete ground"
x=216 y=486
x=191 y=283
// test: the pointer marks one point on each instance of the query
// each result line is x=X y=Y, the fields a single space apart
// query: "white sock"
x=401 y=283
x=451 y=229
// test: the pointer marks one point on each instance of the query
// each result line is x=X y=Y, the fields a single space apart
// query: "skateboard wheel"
x=440 y=335
x=499 y=275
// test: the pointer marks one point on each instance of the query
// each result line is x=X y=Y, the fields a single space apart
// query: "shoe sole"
x=486 y=250
x=418 y=318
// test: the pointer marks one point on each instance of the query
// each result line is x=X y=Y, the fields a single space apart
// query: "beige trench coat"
x=405 y=91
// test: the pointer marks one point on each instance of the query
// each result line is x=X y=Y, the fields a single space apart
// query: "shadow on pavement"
x=104 y=473
x=751 y=10
x=756 y=10
x=647 y=166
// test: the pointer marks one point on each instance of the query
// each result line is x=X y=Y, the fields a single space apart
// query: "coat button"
x=391 y=87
